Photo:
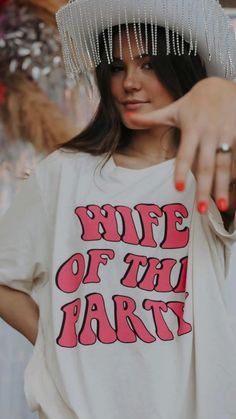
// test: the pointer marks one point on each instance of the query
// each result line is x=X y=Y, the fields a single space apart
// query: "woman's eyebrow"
x=117 y=59
x=137 y=57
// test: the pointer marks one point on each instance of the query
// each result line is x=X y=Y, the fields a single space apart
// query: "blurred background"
x=39 y=108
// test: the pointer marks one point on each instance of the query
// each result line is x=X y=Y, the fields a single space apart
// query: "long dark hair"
x=106 y=133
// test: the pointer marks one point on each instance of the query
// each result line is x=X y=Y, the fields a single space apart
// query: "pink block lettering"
x=149 y=215
x=129 y=234
x=158 y=275
x=97 y=257
x=157 y=308
x=130 y=278
x=104 y=217
x=128 y=324
x=181 y=286
x=68 y=335
x=178 y=310
x=174 y=238
x=71 y=273
x=96 y=312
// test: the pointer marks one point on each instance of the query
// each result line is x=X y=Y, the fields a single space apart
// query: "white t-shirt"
x=130 y=284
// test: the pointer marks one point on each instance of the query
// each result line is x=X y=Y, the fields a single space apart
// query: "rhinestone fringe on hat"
x=202 y=23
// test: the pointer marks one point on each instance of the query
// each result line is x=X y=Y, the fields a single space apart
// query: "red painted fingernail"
x=180 y=186
x=222 y=204
x=202 y=207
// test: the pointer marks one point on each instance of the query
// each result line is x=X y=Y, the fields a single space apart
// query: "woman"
x=129 y=277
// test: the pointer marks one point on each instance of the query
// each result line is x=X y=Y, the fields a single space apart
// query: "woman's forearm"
x=20 y=311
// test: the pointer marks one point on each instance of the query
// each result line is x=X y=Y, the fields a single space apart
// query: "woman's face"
x=134 y=84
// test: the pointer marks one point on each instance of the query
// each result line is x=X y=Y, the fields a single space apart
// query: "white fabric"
x=79 y=370
x=231 y=288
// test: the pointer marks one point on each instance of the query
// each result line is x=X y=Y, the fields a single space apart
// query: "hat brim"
x=203 y=24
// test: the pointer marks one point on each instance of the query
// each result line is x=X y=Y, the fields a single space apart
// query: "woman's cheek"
x=115 y=86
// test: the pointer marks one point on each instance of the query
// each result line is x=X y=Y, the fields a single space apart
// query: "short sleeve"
x=23 y=239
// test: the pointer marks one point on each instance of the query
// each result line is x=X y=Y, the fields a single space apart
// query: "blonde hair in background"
x=30 y=115
x=27 y=112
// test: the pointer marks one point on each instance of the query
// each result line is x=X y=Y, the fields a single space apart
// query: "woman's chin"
x=133 y=126
x=130 y=124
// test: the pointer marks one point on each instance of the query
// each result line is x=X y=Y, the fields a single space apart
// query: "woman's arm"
x=20 y=311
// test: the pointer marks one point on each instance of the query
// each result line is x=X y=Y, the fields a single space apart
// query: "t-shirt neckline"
x=153 y=167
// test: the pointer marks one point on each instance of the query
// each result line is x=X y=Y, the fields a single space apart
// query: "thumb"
x=164 y=116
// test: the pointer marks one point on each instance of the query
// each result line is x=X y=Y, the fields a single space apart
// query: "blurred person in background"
x=36 y=100
x=38 y=109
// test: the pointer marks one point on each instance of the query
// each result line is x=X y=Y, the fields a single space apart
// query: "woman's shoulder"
x=64 y=160
x=61 y=172
x=62 y=155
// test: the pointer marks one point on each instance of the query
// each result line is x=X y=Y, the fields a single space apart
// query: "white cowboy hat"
x=202 y=23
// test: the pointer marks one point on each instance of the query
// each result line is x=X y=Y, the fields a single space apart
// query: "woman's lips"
x=134 y=106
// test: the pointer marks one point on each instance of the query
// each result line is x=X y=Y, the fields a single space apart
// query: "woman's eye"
x=116 y=68
x=148 y=66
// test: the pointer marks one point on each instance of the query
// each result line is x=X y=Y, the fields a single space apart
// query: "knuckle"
x=206 y=168
x=183 y=159
x=222 y=166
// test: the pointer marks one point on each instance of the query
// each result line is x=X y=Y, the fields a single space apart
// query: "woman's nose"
x=131 y=81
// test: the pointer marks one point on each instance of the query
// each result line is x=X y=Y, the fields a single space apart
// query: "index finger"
x=185 y=157
x=165 y=116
